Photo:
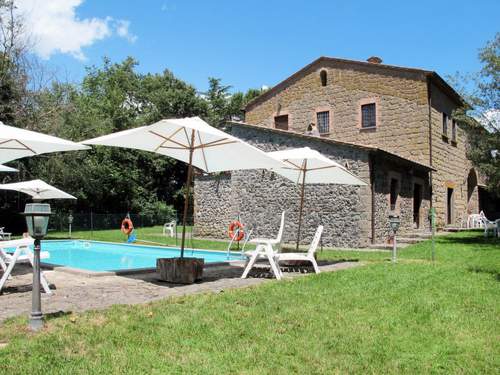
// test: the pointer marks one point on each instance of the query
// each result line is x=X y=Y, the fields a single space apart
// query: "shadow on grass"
x=491 y=271
x=478 y=239
x=56 y=315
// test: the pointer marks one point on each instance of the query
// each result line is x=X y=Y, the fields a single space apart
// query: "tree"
x=224 y=106
x=13 y=63
x=111 y=98
x=482 y=117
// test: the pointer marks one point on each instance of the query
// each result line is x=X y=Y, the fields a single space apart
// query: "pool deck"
x=80 y=291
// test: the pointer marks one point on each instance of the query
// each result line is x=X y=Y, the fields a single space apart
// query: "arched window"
x=324 y=78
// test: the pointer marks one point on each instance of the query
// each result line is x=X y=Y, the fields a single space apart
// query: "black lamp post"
x=394 y=222
x=37 y=220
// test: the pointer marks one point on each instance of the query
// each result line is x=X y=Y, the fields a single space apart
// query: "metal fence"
x=92 y=221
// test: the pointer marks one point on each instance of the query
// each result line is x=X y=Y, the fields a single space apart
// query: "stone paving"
x=79 y=292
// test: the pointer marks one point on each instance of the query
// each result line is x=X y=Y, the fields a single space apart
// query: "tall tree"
x=482 y=118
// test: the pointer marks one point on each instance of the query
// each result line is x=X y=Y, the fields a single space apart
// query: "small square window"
x=369 y=115
x=281 y=122
x=323 y=121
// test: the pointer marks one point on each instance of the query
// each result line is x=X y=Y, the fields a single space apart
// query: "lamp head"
x=37 y=219
x=394 y=222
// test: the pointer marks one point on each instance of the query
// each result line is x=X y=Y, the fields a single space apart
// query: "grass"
x=414 y=317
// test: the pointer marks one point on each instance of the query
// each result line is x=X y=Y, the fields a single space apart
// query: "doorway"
x=417 y=203
x=449 y=206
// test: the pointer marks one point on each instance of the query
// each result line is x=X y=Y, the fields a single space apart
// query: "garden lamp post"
x=432 y=217
x=37 y=220
x=70 y=221
x=394 y=222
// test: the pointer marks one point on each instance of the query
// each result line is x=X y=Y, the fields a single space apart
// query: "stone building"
x=392 y=126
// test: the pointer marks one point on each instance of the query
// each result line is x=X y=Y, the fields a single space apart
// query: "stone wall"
x=451 y=164
x=259 y=197
x=402 y=128
x=401 y=101
x=384 y=171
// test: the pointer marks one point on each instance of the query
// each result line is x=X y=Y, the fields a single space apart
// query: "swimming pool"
x=106 y=256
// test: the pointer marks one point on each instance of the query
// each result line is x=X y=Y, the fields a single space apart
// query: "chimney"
x=374 y=60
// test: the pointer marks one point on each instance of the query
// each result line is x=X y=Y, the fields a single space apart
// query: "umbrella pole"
x=301 y=202
x=300 y=215
x=188 y=188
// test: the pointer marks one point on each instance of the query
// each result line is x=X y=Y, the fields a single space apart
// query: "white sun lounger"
x=266 y=248
x=22 y=254
x=309 y=256
x=4 y=236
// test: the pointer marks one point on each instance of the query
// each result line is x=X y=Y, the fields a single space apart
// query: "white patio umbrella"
x=16 y=143
x=195 y=142
x=4 y=168
x=38 y=189
x=308 y=166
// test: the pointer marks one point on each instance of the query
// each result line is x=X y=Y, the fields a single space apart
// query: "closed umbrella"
x=192 y=141
x=16 y=143
x=308 y=166
x=38 y=189
x=4 y=168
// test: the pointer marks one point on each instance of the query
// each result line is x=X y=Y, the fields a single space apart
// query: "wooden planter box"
x=180 y=270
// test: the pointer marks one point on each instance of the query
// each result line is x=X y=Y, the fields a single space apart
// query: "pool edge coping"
x=135 y=271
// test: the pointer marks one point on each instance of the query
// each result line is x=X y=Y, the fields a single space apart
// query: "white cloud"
x=122 y=30
x=54 y=27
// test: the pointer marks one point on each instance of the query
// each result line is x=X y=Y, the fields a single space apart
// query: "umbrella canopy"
x=212 y=149
x=16 y=143
x=307 y=166
x=195 y=142
x=4 y=168
x=38 y=189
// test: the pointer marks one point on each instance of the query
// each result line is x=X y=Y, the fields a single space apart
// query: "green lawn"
x=414 y=317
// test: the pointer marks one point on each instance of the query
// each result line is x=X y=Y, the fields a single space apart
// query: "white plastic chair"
x=474 y=221
x=22 y=254
x=170 y=228
x=309 y=256
x=4 y=236
x=489 y=225
x=266 y=248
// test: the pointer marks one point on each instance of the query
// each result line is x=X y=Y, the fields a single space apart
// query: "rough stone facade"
x=453 y=169
x=410 y=105
x=259 y=197
x=401 y=99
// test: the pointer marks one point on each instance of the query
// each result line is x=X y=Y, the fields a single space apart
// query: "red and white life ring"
x=236 y=226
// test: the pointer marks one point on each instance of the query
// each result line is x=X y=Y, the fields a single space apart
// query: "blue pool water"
x=105 y=256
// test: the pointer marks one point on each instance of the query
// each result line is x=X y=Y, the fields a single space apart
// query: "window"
x=445 y=124
x=323 y=121
x=281 y=122
x=323 y=75
x=394 y=193
x=368 y=115
x=454 y=131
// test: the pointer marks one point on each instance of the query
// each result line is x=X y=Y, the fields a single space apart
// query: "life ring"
x=127 y=226
x=236 y=225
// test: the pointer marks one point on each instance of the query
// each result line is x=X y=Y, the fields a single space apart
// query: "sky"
x=250 y=44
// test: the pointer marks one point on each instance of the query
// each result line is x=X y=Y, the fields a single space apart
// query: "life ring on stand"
x=236 y=226
x=127 y=226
